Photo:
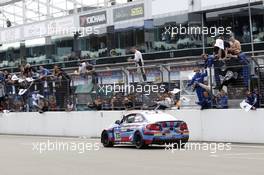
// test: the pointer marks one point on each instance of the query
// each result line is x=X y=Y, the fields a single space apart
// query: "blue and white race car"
x=145 y=128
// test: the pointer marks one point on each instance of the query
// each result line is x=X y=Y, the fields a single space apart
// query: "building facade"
x=159 y=28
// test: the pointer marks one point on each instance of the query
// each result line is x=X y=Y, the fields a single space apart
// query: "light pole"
x=251 y=28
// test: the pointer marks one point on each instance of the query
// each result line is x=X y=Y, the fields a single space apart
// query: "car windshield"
x=156 y=117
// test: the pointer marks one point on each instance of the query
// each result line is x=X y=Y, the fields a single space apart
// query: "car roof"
x=155 y=116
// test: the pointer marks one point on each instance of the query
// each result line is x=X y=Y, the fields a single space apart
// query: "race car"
x=146 y=128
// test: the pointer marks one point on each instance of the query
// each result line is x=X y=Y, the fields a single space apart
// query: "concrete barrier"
x=231 y=125
x=227 y=125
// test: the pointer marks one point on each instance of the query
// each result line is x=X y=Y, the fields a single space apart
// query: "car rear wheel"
x=105 y=140
x=139 y=142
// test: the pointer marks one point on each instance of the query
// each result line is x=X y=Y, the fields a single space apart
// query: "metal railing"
x=88 y=92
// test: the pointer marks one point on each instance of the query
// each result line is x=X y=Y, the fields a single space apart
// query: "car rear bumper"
x=167 y=140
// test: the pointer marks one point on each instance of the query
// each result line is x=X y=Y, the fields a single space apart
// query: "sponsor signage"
x=93 y=19
x=62 y=26
x=35 y=30
x=10 y=35
x=129 y=12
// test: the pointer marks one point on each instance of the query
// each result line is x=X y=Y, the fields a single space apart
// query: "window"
x=139 y=118
x=129 y=118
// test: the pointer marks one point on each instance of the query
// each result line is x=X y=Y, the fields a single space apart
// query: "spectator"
x=138 y=59
x=251 y=99
x=44 y=72
x=208 y=60
x=106 y=105
x=220 y=48
x=81 y=69
x=165 y=101
x=222 y=100
x=97 y=104
x=38 y=102
x=206 y=102
x=235 y=47
x=256 y=92
x=113 y=102
x=52 y=103
x=128 y=102
x=2 y=87
x=70 y=106
x=90 y=71
x=62 y=87
x=235 y=51
x=28 y=71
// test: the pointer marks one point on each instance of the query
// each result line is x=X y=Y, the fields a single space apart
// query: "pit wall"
x=231 y=125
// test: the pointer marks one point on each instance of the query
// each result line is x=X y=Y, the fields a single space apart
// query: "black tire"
x=105 y=140
x=138 y=141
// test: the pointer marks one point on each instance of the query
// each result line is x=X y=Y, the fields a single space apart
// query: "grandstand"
x=77 y=75
x=35 y=37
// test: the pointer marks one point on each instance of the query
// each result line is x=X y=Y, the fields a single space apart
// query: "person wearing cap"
x=220 y=53
x=219 y=48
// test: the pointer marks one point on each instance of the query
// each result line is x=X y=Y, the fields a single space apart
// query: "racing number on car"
x=117 y=136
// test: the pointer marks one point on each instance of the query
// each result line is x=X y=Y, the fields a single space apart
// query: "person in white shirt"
x=81 y=69
x=138 y=59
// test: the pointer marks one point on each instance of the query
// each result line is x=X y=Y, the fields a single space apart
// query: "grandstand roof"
x=28 y=11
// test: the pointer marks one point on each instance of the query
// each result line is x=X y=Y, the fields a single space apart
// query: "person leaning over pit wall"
x=235 y=51
x=198 y=78
x=252 y=99
x=222 y=100
x=206 y=102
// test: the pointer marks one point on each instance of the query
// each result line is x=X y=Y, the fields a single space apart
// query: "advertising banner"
x=35 y=30
x=129 y=12
x=62 y=26
x=111 y=77
x=11 y=34
x=93 y=19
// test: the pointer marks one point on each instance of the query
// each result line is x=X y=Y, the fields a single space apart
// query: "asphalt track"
x=20 y=155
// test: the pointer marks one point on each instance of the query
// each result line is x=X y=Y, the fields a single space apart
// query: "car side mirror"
x=118 y=122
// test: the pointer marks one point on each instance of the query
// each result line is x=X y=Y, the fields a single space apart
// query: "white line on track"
x=247 y=158
x=243 y=154
x=246 y=146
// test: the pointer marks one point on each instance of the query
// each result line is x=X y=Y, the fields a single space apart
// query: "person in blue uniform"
x=198 y=78
x=206 y=103
x=252 y=99
x=208 y=60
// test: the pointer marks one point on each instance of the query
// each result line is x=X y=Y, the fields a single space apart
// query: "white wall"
x=168 y=6
x=160 y=7
x=232 y=125
x=209 y=4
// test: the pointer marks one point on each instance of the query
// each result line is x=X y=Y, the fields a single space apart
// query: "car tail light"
x=153 y=127
x=183 y=126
